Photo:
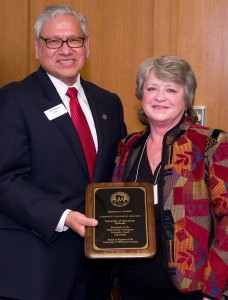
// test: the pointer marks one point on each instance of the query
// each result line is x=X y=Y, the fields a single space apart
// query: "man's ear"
x=36 y=49
x=87 y=47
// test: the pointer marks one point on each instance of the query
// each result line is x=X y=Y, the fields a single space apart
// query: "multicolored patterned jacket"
x=194 y=198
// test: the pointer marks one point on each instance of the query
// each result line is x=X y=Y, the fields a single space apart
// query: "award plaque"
x=126 y=222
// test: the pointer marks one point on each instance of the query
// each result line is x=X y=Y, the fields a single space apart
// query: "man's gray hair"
x=58 y=10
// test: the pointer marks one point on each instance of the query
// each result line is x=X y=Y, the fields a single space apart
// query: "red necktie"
x=83 y=130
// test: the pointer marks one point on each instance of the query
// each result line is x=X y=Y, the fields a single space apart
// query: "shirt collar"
x=61 y=87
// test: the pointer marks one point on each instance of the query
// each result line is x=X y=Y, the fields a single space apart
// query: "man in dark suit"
x=43 y=169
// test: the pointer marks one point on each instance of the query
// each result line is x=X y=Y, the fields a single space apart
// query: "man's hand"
x=77 y=222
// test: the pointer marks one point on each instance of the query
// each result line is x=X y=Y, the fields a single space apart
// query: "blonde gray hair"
x=168 y=68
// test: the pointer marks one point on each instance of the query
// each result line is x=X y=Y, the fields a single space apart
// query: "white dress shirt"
x=62 y=88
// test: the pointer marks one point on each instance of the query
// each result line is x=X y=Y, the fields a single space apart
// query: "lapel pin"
x=104 y=116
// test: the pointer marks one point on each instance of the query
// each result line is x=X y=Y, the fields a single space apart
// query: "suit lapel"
x=100 y=118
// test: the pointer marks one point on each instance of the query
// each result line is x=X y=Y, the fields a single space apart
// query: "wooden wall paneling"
x=119 y=43
x=125 y=33
x=14 y=37
x=214 y=74
x=197 y=31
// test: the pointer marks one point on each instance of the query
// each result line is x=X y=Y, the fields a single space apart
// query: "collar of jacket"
x=169 y=138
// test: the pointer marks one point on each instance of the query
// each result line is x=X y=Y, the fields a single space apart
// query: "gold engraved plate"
x=126 y=222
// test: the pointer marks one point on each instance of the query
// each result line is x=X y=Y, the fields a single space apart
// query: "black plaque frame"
x=126 y=222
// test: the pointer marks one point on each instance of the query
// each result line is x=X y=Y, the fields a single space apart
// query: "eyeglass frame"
x=63 y=41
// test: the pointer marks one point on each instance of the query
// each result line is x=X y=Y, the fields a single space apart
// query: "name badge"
x=55 y=112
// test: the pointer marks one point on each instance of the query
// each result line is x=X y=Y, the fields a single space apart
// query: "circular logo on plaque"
x=120 y=199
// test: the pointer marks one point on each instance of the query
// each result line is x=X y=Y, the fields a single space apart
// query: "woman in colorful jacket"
x=188 y=166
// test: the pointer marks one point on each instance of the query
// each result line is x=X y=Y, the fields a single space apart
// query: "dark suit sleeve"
x=21 y=200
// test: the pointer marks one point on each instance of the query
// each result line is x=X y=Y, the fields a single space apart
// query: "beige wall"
x=123 y=33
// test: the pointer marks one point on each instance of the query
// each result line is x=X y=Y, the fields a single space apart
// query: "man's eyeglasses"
x=73 y=42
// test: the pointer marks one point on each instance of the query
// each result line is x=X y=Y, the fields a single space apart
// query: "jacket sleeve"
x=23 y=205
x=216 y=272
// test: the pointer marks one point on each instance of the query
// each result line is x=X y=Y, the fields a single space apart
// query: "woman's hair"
x=58 y=10
x=168 y=68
